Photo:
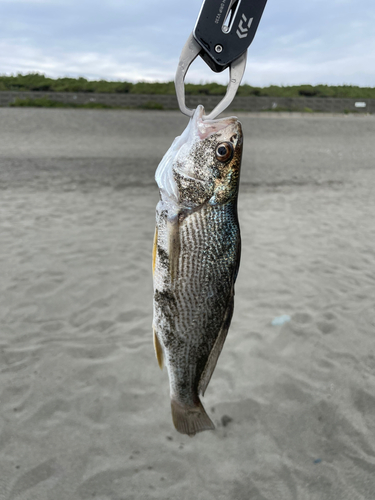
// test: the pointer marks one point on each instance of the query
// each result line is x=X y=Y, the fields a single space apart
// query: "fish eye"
x=224 y=151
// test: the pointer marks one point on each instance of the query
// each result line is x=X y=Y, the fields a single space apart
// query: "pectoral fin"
x=216 y=350
x=154 y=250
x=173 y=246
x=158 y=350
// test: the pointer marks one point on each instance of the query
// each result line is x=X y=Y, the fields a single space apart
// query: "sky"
x=319 y=41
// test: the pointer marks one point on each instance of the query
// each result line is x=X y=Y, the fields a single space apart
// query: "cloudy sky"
x=319 y=41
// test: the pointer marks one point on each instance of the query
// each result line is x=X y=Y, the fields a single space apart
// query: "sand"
x=84 y=407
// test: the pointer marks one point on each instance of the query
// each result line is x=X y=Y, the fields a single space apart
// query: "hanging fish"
x=196 y=256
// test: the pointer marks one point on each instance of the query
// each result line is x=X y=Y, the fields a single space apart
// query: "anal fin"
x=217 y=348
x=158 y=350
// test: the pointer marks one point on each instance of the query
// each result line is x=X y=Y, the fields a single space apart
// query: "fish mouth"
x=205 y=128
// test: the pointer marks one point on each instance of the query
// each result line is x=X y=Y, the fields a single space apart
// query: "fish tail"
x=190 y=419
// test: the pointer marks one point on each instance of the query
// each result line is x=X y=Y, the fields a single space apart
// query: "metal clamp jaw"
x=190 y=52
x=222 y=34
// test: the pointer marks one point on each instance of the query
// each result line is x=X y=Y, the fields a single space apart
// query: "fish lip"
x=205 y=128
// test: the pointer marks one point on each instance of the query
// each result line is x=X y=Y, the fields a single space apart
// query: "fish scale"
x=196 y=314
x=202 y=259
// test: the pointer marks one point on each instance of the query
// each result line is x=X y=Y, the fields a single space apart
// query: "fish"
x=195 y=260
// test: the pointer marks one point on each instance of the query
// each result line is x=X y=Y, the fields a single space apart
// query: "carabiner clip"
x=189 y=53
x=222 y=35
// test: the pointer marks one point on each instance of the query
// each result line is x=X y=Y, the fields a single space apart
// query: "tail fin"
x=190 y=419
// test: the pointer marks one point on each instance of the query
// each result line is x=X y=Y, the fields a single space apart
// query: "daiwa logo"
x=242 y=31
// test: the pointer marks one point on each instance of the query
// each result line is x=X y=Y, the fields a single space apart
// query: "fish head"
x=203 y=164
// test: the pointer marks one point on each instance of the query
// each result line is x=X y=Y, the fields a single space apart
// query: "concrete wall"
x=170 y=102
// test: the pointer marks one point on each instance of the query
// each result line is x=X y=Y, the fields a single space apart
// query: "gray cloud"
x=297 y=42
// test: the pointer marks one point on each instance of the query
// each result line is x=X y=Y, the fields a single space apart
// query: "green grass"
x=290 y=109
x=38 y=82
x=151 y=105
x=44 y=102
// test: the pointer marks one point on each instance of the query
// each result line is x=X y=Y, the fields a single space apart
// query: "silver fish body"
x=195 y=260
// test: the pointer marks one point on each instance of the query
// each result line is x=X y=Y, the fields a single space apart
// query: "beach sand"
x=85 y=410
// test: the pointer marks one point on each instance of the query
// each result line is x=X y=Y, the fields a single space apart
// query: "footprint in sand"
x=15 y=360
x=363 y=401
x=43 y=287
x=50 y=413
x=325 y=327
x=101 y=351
x=302 y=318
x=12 y=397
x=106 y=484
x=129 y=316
x=33 y=477
x=300 y=323
x=327 y=324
